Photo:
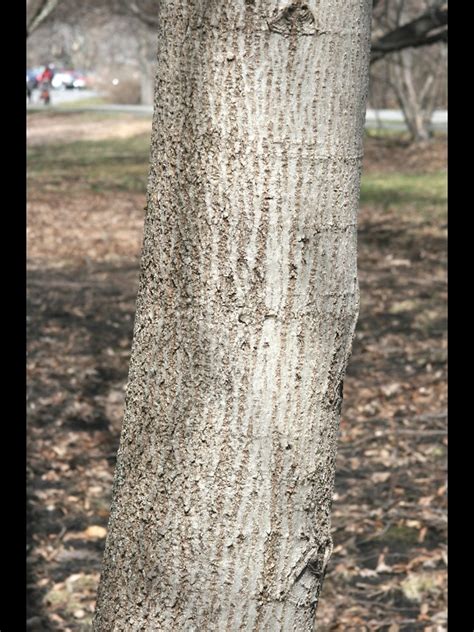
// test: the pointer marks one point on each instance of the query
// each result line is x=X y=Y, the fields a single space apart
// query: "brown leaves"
x=388 y=569
x=380 y=477
x=94 y=532
x=389 y=390
x=74 y=598
x=389 y=562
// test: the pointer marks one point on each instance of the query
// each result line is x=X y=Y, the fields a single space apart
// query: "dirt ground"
x=59 y=127
x=388 y=570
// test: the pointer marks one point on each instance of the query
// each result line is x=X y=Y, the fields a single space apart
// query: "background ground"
x=86 y=182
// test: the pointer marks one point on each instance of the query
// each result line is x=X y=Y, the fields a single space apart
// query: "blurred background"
x=88 y=152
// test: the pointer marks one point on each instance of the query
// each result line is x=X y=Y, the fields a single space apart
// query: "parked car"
x=80 y=80
x=65 y=79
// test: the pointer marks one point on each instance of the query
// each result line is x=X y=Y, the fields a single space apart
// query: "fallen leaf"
x=422 y=535
x=380 y=477
x=440 y=617
x=95 y=531
x=381 y=566
x=96 y=490
x=391 y=389
x=426 y=501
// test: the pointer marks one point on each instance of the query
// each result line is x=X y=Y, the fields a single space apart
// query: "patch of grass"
x=396 y=131
x=80 y=103
x=111 y=164
x=122 y=164
x=400 y=536
x=397 y=190
x=387 y=132
x=83 y=117
x=65 y=106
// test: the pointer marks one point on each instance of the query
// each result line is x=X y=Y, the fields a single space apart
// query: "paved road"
x=393 y=119
x=375 y=119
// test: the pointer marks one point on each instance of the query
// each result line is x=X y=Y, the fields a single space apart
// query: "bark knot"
x=295 y=19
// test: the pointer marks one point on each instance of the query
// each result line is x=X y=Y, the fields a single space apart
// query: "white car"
x=79 y=82
x=63 y=79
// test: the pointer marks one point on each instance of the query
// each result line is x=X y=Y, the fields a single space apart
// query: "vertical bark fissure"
x=246 y=310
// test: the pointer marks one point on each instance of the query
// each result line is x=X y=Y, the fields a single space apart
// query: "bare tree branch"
x=150 y=19
x=146 y=11
x=429 y=28
x=36 y=12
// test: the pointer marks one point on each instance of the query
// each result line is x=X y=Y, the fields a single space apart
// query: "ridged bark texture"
x=246 y=310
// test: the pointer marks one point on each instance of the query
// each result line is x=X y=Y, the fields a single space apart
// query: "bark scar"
x=295 y=19
x=313 y=567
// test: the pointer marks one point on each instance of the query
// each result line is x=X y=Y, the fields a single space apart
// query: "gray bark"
x=247 y=304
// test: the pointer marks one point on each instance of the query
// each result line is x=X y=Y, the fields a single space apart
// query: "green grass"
x=396 y=133
x=122 y=165
x=398 y=190
x=79 y=103
x=69 y=106
x=387 y=132
x=112 y=164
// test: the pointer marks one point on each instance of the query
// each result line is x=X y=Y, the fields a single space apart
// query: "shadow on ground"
x=79 y=335
x=388 y=569
x=392 y=450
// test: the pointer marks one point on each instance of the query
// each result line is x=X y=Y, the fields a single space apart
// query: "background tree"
x=409 y=59
x=104 y=36
x=246 y=311
x=414 y=80
x=408 y=24
x=37 y=11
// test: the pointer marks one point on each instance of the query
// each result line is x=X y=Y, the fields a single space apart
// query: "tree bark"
x=247 y=304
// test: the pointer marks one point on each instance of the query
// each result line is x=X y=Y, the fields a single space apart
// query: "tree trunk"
x=147 y=83
x=147 y=62
x=247 y=304
x=412 y=101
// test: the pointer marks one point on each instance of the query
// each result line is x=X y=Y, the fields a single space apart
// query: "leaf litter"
x=388 y=569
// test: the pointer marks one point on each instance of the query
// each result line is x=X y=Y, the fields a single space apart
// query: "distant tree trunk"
x=147 y=60
x=409 y=51
x=246 y=310
x=147 y=80
x=147 y=84
x=416 y=101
